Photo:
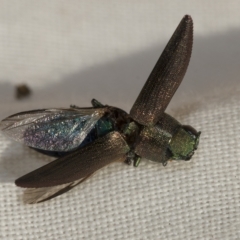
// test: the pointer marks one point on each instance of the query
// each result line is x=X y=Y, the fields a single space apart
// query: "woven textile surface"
x=70 y=53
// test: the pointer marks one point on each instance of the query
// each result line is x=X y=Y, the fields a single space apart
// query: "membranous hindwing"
x=60 y=130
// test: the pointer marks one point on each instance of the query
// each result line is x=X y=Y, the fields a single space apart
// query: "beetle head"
x=183 y=143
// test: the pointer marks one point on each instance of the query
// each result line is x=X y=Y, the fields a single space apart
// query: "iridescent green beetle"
x=87 y=139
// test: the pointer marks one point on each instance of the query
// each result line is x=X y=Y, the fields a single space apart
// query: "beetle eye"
x=189 y=156
x=191 y=130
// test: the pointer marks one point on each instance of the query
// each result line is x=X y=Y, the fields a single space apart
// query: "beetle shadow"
x=214 y=65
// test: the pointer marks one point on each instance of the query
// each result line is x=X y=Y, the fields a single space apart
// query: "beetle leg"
x=74 y=106
x=96 y=104
x=132 y=157
x=128 y=161
x=137 y=160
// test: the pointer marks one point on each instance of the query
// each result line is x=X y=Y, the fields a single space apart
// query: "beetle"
x=86 y=139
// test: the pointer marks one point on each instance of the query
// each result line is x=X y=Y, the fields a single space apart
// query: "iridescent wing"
x=52 y=129
x=166 y=76
x=68 y=171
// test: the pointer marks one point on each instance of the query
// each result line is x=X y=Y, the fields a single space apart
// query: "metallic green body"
x=182 y=145
x=166 y=140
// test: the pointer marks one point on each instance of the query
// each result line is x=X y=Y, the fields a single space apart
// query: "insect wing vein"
x=52 y=129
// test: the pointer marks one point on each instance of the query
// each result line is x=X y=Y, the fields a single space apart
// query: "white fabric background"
x=71 y=51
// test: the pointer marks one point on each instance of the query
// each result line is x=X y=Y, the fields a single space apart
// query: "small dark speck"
x=22 y=91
